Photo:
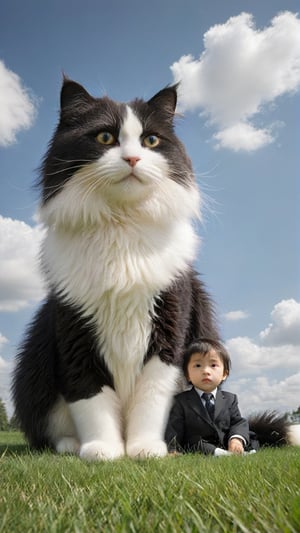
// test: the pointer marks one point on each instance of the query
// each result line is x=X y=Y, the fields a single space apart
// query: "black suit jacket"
x=190 y=428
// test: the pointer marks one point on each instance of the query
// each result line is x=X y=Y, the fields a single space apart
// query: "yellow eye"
x=151 y=141
x=104 y=137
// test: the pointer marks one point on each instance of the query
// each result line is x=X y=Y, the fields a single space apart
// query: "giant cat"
x=101 y=361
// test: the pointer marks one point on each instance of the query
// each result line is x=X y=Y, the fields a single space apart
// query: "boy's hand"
x=235 y=446
x=174 y=453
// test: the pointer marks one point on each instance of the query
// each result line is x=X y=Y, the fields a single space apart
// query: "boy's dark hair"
x=204 y=346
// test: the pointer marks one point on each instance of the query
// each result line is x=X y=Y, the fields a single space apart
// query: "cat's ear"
x=73 y=95
x=165 y=100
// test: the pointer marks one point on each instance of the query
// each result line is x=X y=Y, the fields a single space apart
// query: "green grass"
x=51 y=493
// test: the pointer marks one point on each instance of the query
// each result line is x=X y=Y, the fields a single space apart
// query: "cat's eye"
x=105 y=137
x=151 y=141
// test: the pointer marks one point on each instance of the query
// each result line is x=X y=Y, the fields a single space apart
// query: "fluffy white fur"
x=294 y=435
x=98 y=423
x=117 y=236
x=148 y=412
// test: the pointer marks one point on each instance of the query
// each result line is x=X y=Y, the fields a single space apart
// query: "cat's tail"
x=274 y=429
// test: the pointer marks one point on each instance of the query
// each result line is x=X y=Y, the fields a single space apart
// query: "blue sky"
x=239 y=66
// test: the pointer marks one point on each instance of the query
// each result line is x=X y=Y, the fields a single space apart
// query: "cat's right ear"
x=73 y=96
x=165 y=100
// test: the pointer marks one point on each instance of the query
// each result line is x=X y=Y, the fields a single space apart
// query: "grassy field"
x=50 y=493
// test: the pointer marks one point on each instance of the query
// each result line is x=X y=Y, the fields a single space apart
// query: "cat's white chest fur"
x=113 y=274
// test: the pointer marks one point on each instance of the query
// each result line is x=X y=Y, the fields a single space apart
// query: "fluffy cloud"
x=236 y=315
x=20 y=280
x=252 y=358
x=264 y=393
x=3 y=340
x=256 y=364
x=285 y=325
x=242 y=136
x=241 y=69
x=18 y=107
x=5 y=371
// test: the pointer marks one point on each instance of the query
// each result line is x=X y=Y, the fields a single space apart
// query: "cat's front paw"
x=98 y=450
x=141 y=449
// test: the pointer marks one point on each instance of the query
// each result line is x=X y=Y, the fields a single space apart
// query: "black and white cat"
x=101 y=360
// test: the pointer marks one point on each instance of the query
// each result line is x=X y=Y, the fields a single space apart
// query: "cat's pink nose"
x=132 y=161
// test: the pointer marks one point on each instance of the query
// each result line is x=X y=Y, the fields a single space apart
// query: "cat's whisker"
x=89 y=191
x=90 y=183
x=77 y=164
x=91 y=177
x=72 y=160
x=57 y=187
x=48 y=192
x=63 y=170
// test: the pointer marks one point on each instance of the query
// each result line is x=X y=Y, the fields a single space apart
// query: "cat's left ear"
x=73 y=96
x=165 y=100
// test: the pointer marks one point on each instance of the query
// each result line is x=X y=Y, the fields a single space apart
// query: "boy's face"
x=206 y=372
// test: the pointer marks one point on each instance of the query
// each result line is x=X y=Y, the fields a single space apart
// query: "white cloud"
x=243 y=136
x=251 y=358
x=241 y=69
x=267 y=373
x=236 y=315
x=3 y=340
x=20 y=280
x=3 y=367
x=285 y=325
x=5 y=378
x=5 y=385
x=18 y=107
x=264 y=393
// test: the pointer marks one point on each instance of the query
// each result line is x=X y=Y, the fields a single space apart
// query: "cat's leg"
x=61 y=429
x=99 y=425
x=149 y=410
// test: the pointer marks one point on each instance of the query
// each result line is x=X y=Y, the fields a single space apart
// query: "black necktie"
x=208 y=403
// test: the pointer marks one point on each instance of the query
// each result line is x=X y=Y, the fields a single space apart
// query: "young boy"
x=208 y=424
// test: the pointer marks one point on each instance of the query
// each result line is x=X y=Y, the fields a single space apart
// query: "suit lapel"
x=219 y=403
x=197 y=406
